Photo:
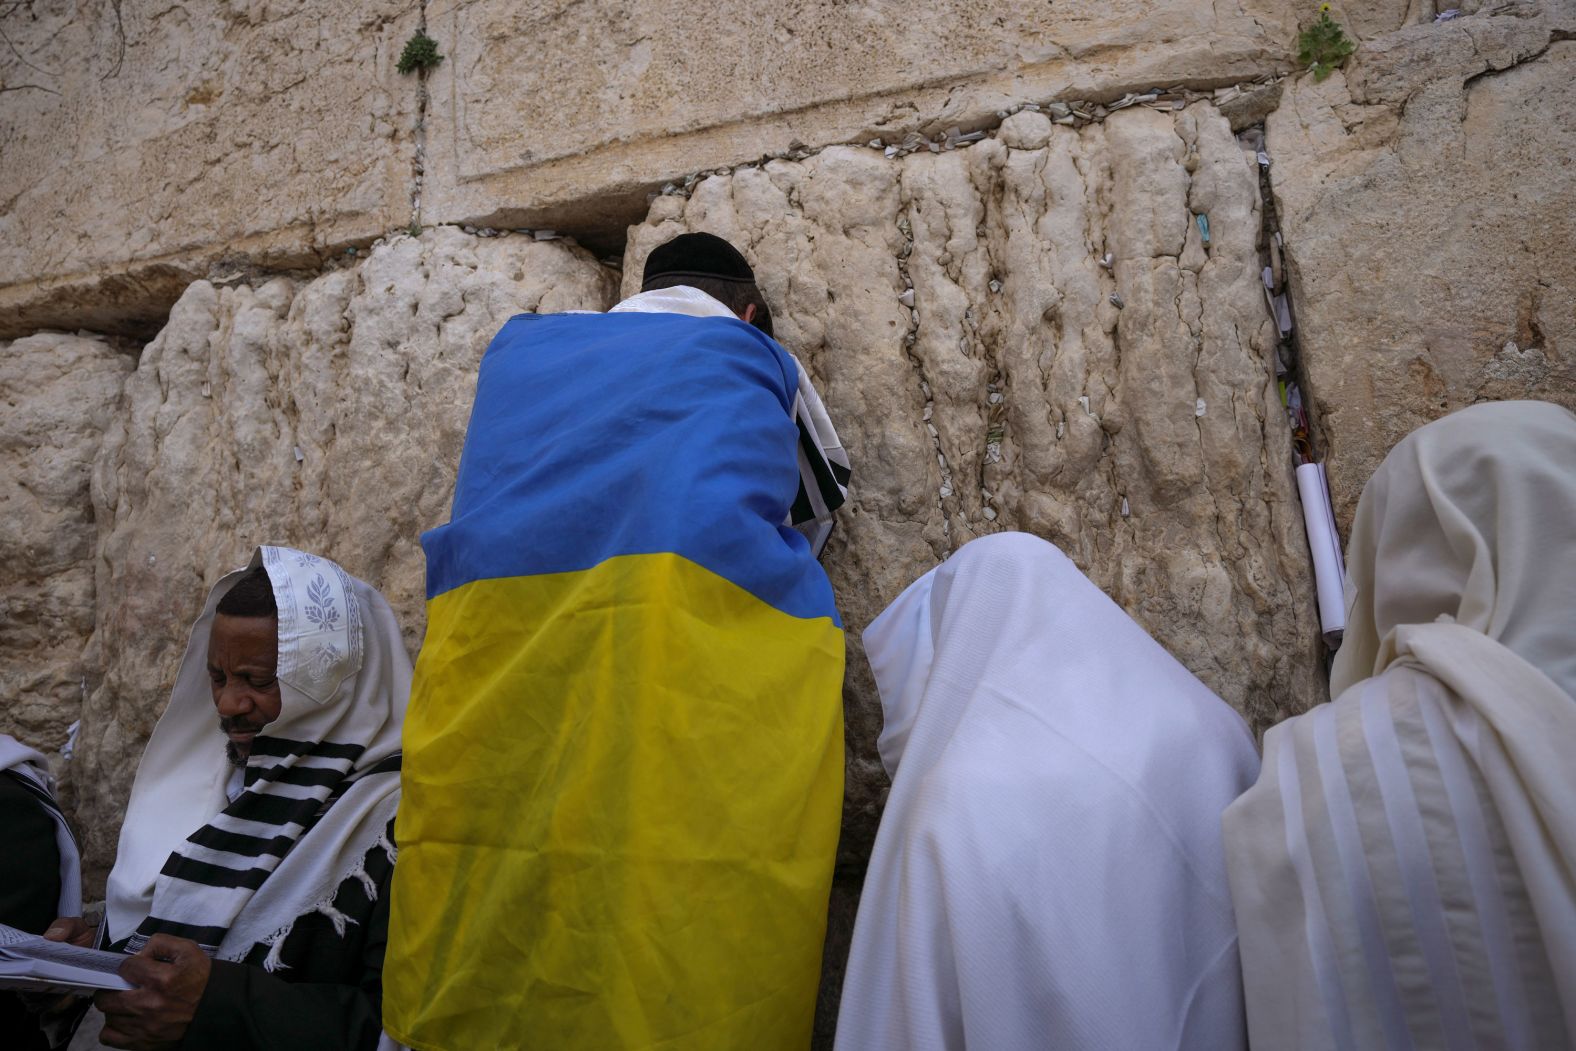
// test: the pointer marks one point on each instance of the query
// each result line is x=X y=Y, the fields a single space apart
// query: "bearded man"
x=251 y=882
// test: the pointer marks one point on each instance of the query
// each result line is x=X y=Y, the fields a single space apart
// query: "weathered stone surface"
x=57 y=395
x=564 y=114
x=149 y=146
x=144 y=143
x=327 y=415
x=1053 y=409
x=1427 y=195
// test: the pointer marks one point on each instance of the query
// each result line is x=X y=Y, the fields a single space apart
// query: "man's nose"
x=235 y=699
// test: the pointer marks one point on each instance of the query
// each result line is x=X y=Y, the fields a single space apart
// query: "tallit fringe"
x=390 y=851
x=339 y=919
x=360 y=873
x=276 y=945
x=276 y=941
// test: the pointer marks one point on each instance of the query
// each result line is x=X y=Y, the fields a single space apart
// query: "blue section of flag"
x=598 y=435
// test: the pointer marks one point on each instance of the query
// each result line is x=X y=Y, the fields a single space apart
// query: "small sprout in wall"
x=414 y=229
x=421 y=52
x=1324 y=45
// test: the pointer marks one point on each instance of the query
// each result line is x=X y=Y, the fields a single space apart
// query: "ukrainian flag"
x=623 y=757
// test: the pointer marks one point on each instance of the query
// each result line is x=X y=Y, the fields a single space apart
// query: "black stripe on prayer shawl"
x=281 y=747
x=205 y=936
x=273 y=810
x=801 y=511
x=310 y=776
x=210 y=875
x=387 y=765
x=241 y=844
x=825 y=477
x=244 y=845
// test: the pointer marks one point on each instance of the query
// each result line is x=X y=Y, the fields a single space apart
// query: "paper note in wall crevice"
x=1329 y=568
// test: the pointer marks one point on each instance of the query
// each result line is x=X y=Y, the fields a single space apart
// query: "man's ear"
x=748 y=317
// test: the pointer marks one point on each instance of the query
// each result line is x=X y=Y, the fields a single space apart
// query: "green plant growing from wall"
x=1323 y=45
x=421 y=52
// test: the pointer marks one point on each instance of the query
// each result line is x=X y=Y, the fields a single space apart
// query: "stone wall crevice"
x=1400 y=317
x=418 y=156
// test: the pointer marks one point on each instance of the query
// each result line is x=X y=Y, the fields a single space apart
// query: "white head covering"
x=1470 y=520
x=1405 y=869
x=1048 y=871
x=344 y=682
x=32 y=766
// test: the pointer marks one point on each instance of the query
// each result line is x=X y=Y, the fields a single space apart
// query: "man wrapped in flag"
x=624 y=761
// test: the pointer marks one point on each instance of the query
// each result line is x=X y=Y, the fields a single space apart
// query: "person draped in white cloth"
x=1048 y=870
x=252 y=873
x=1404 y=871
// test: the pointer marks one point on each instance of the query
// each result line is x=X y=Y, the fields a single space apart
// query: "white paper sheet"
x=1283 y=315
x=35 y=964
x=1329 y=568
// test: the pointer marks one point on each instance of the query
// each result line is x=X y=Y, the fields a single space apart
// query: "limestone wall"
x=1021 y=330
x=1428 y=199
x=58 y=394
x=148 y=145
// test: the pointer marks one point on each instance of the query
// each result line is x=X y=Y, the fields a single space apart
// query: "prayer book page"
x=34 y=964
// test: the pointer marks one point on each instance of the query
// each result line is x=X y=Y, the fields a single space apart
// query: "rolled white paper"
x=1283 y=314
x=1329 y=569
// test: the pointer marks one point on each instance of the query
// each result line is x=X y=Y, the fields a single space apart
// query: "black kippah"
x=697 y=255
x=251 y=596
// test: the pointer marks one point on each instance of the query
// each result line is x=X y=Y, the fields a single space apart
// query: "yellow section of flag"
x=621 y=798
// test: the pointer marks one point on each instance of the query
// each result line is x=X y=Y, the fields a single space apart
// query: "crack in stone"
x=418 y=161
x=947 y=489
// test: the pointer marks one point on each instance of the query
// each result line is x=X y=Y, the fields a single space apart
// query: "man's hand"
x=169 y=974
x=72 y=929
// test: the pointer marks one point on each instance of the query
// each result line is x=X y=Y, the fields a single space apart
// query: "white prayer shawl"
x=1404 y=872
x=344 y=681
x=19 y=759
x=1048 y=872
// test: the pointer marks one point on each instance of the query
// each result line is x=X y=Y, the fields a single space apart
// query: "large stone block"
x=1428 y=199
x=564 y=114
x=327 y=415
x=1145 y=438
x=147 y=147
x=145 y=143
x=57 y=396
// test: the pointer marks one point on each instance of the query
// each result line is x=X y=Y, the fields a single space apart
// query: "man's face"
x=243 y=659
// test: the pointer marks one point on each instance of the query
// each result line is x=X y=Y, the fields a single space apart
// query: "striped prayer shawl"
x=212 y=876
x=823 y=462
x=1379 y=901
x=319 y=788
